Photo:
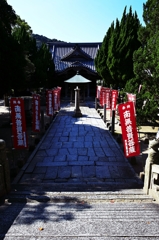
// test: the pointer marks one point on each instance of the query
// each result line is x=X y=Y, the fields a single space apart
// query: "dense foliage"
x=42 y=39
x=146 y=64
x=22 y=64
x=114 y=59
x=10 y=51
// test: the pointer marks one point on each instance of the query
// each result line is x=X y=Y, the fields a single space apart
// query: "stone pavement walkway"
x=79 y=153
x=77 y=185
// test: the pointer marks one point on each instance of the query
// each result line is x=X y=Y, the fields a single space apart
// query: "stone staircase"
x=41 y=214
x=108 y=205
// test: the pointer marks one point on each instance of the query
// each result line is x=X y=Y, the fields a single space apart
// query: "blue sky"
x=74 y=20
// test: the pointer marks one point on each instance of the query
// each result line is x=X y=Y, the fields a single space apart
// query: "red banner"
x=98 y=90
x=49 y=103
x=18 y=123
x=131 y=97
x=36 y=113
x=129 y=130
x=59 y=97
x=56 y=99
x=105 y=96
x=114 y=97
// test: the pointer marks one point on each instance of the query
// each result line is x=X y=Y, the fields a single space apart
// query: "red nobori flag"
x=56 y=99
x=59 y=96
x=131 y=97
x=114 y=97
x=105 y=95
x=18 y=123
x=36 y=113
x=129 y=131
x=98 y=90
x=49 y=103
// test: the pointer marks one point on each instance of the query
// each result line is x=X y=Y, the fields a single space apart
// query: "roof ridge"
x=76 y=51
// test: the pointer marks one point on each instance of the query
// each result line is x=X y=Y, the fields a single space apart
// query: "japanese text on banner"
x=36 y=113
x=49 y=103
x=56 y=100
x=114 y=97
x=105 y=95
x=129 y=130
x=18 y=123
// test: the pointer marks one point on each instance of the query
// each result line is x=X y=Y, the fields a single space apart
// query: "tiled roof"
x=64 y=50
x=76 y=52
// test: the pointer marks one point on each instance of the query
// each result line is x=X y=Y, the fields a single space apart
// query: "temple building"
x=75 y=58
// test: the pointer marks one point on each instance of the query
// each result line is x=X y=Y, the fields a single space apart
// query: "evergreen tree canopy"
x=11 y=58
x=45 y=68
x=7 y=17
x=39 y=67
x=22 y=64
x=146 y=62
x=114 y=59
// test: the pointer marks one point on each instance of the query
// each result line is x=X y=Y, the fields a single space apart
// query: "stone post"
x=96 y=104
x=153 y=158
x=4 y=169
x=77 y=100
x=113 y=122
x=105 y=107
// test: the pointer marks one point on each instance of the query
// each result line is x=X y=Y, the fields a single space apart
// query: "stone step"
x=81 y=221
x=76 y=185
x=84 y=211
x=84 y=238
x=32 y=212
x=23 y=193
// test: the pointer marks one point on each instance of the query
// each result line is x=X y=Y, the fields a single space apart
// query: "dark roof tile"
x=59 y=50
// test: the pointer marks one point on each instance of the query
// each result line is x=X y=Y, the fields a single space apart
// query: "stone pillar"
x=4 y=169
x=105 y=109
x=77 y=100
x=96 y=103
x=113 y=122
x=153 y=158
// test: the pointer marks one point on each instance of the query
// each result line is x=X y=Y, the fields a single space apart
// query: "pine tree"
x=101 y=58
x=114 y=60
x=11 y=58
x=146 y=63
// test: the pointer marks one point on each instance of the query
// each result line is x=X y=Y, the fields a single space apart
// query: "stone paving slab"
x=82 y=144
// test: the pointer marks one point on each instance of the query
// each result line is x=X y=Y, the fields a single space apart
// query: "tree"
x=146 y=62
x=114 y=59
x=22 y=33
x=45 y=68
x=101 y=58
x=22 y=64
x=11 y=59
x=7 y=17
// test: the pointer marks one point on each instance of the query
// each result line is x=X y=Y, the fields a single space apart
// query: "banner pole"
x=95 y=103
x=105 y=107
x=113 y=122
x=13 y=149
